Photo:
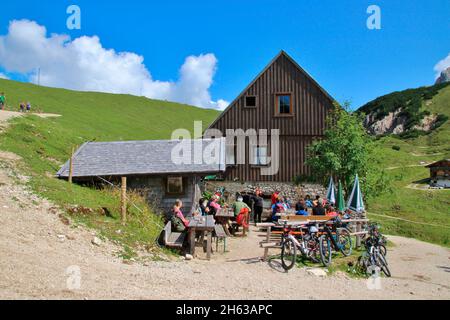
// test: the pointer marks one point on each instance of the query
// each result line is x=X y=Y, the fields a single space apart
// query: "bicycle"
x=375 y=255
x=336 y=238
x=307 y=243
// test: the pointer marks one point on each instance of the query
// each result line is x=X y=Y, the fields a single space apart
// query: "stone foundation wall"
x=289 y=190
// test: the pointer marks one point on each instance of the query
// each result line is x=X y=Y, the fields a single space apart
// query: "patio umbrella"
x=355 y=202
x=331 y=193
x=340 y=202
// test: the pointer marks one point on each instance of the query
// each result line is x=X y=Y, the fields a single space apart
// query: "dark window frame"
x=250 y=107
x=168 y=192
x=277 y=106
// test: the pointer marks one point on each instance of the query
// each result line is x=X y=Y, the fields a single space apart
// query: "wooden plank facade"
x=309 y=105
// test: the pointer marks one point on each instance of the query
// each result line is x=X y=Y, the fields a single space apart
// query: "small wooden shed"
x=153 y=167
x=440 y=173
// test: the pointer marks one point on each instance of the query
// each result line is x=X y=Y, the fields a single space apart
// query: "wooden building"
x=440 y=173
x=285 y=97
x=149 y=167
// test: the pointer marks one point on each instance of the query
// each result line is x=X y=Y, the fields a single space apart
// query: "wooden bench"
x=308 y=218
x=220 y=235
x=173 y=239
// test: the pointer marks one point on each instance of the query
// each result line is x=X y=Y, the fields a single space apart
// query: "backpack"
x=177 y=224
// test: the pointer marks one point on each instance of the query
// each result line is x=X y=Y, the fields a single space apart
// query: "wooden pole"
x=123 y=200
x=71 y=165
x=358 y=236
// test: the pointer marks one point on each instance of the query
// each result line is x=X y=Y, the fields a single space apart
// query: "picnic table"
x=205 y=225
x=223 y=217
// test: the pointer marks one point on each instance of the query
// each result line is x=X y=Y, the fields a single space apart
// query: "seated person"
x=287 y=203
x=239 y=205
x=203 y=206
x=308 y=201
x=275 y=197
x=301 y=210
x=214 y=205
x=316 y=201
x=330 y=211
x=242 y=217
x=319 y=210
x=277 y=207
x=179 y=222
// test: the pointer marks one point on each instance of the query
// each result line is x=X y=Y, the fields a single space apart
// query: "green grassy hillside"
x=45 y=144
x=406 y=169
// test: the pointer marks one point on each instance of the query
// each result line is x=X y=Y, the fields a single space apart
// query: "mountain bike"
x=375 y=255
x=336 y=238
x=307 y=242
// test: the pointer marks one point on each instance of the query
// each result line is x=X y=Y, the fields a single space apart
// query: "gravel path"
x=6 y=115
x=39 y=254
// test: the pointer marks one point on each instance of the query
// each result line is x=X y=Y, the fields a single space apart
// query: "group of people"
x=23 y=106
x=304 y=206
x=246 y=203
x=205 y=208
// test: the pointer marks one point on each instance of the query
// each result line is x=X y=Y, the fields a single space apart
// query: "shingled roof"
x=150 y=157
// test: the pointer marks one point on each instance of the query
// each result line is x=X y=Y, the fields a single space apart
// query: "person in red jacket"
x=275 y=197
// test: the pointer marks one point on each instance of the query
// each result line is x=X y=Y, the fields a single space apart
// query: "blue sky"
x=327 y=38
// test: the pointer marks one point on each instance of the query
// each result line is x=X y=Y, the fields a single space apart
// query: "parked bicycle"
x=336 y=237
x=375 y=255
x=306 y=240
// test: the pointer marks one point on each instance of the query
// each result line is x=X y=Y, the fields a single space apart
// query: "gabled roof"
x=151 y=157
x=280 y=54
x=438 y=163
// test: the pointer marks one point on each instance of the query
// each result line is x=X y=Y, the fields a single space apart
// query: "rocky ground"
x=45 y=257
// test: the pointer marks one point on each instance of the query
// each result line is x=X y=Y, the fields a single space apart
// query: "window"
x=250 y=101
x=174 y=185
x=260 y=156
x=283 y=104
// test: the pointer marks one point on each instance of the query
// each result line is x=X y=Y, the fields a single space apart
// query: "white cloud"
x=3 y=76
x=84 y=64
x=442 y=65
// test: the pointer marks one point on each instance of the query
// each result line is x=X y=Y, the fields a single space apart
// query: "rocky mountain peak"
x=444 y=77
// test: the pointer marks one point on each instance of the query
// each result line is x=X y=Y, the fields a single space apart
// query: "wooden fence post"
x=123 y=200
x=71 y=165
x=358 y=236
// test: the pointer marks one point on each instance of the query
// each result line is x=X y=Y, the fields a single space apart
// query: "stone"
x=188 y=257
x=96 y=241
x=316 y=272
x=61 y=237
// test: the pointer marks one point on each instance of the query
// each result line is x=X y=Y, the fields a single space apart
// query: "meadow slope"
x=44 y=144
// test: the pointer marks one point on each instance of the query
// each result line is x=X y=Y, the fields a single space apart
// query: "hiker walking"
x=2 y=101
x=28 y=106
x=22 y=107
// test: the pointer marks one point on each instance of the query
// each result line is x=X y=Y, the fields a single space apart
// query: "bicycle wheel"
x=383 y=251
x=345 y=242
x=288 y=254
x=382 y=263
x=314 y=250
x=325 y=250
